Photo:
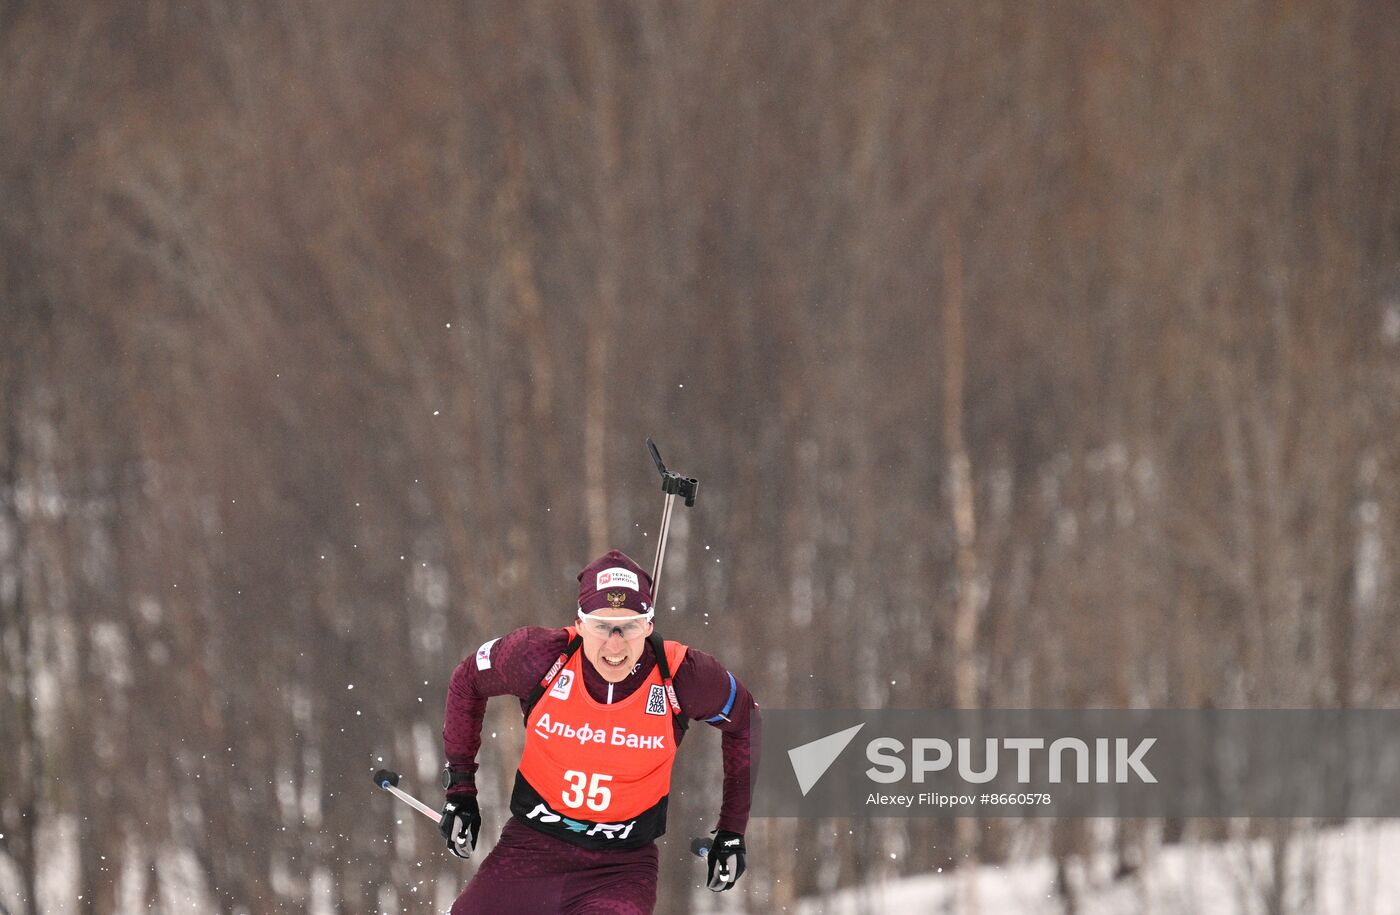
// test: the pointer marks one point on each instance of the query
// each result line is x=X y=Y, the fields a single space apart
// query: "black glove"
x=461 y=821
x=726 y=861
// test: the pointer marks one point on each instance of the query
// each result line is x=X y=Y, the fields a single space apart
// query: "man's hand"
x=726 y=861
x=461 y=821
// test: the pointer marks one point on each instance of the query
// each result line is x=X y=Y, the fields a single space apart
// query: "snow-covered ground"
x=1351 y=871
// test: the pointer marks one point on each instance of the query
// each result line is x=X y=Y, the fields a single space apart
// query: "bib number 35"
x=599 y=795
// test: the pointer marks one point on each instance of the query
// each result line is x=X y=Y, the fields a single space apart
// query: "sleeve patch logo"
x=483 y=655
x=615 y=578
x=563 y=685
x=656 y=700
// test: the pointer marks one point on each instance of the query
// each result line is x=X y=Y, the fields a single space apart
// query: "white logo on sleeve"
x=483 y=655
x=563 y=685
x=614 y=578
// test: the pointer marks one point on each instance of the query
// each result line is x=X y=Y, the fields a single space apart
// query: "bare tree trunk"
x=965 y=691
x=16 y=649
x=1064 y=885
x=607 y=199
x=1276 y=892
x=594 y=439
x=960 y=482
x=26 y=322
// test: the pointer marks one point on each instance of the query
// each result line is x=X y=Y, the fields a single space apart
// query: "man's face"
x=615 y=653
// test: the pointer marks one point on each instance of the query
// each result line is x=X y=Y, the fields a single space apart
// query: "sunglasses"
x=604 y=626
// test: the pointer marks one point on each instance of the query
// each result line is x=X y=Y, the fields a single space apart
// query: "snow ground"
x=1349 y=871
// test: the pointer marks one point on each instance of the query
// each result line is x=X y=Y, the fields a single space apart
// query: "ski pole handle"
x=700 y=848
x=389 y=781
x=672 y=484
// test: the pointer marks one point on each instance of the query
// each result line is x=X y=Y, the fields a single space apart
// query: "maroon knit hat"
x=614 y=580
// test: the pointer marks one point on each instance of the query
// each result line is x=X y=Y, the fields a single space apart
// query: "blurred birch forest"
x=1030 y=355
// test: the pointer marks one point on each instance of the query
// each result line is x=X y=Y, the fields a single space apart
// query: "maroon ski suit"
x=531 y=873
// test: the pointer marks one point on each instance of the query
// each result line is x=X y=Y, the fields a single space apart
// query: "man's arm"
x=510 y=665
x=704 y=686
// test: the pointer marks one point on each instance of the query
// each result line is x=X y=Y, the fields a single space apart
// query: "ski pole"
x=389 y=781
x=672 y=484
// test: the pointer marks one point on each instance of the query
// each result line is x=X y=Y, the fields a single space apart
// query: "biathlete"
x=606 y=703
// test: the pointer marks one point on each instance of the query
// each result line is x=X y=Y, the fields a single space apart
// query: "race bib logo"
x=483 y=655
x=617 y=578
x=543 y=814
x=656 y=700
x=586 y=733
x=563 y=685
